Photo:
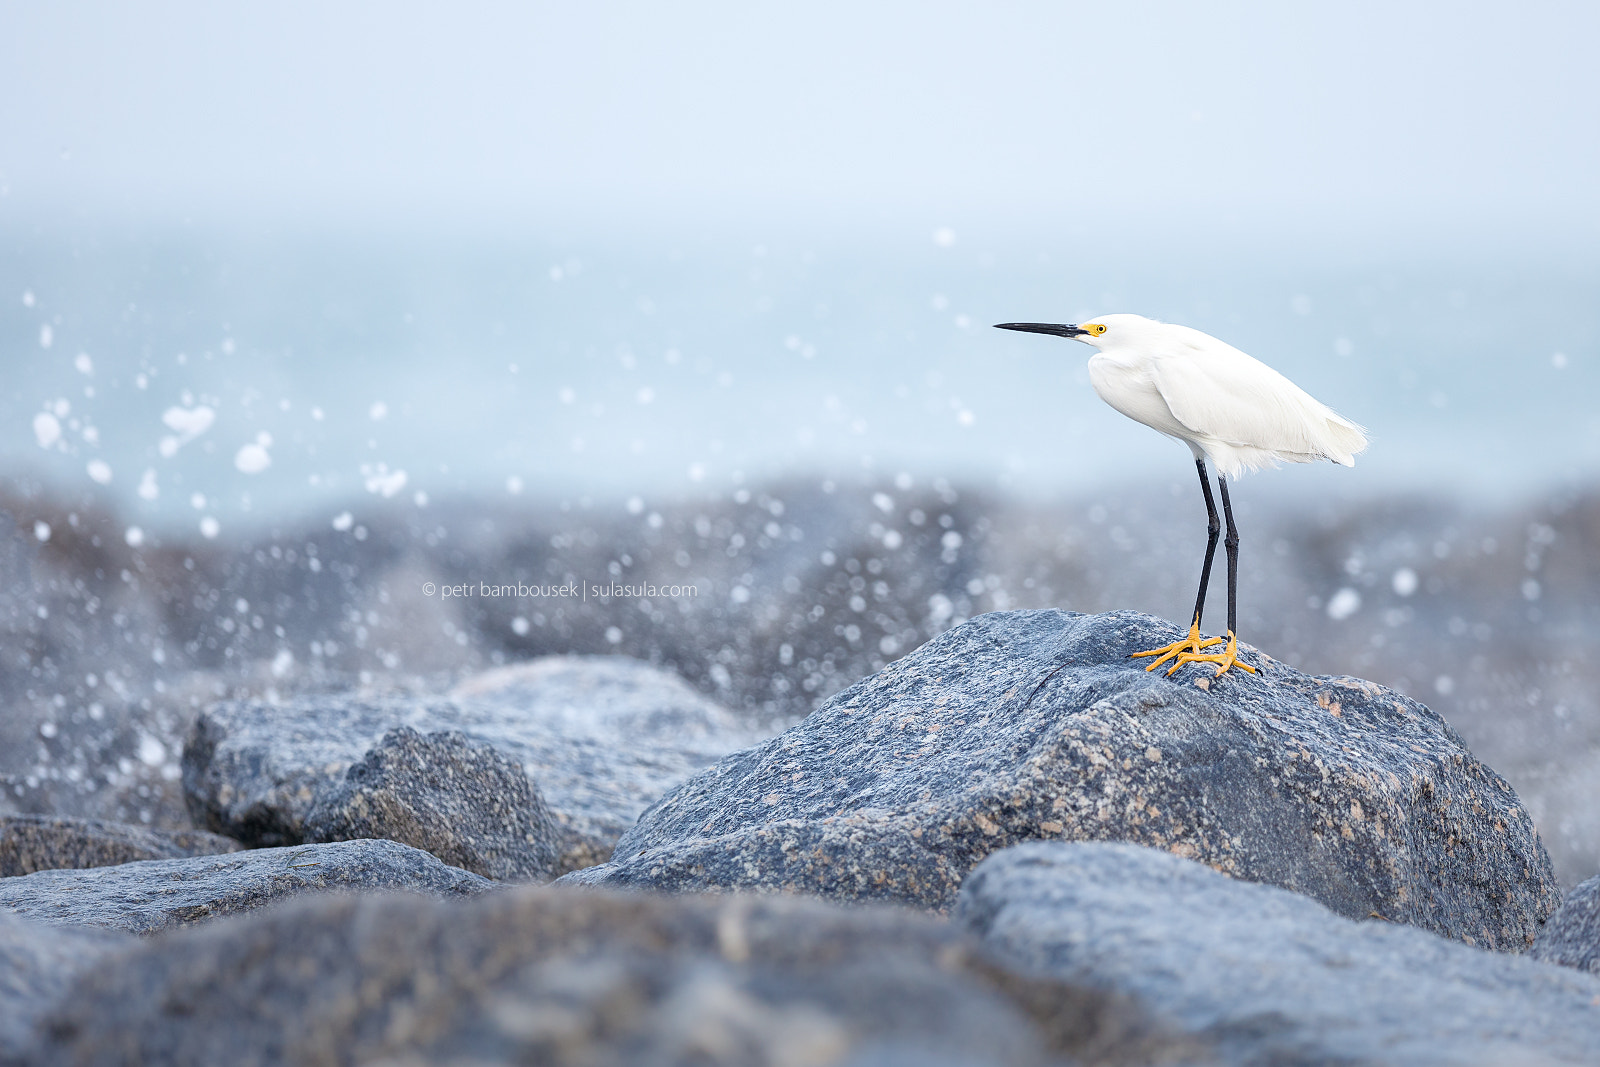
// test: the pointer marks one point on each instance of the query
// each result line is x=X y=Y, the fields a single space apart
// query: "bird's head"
x=1101 y=332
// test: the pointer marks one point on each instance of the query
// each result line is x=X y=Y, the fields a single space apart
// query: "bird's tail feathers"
x=1345 y=440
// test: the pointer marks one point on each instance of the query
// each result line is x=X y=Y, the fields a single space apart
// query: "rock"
x=1266 y=976
x=1571 y=937
x=540 y=975
x=601 y=738
x=252 y=771
x=841 y=859
x=154 y=895
x=31 y=843
x=1036 y=725
x=459 y=799
x=37 y=965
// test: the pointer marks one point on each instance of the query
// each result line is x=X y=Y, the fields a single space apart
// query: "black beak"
x=1054 y=329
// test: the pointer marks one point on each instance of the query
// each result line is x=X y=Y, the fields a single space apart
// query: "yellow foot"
x=1228 y=657
x=1191 y=644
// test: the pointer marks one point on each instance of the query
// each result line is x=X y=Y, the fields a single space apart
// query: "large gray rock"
x=154 y=895
x=1571 y=937
x=538 y=975
x=37 y=966
x=31 y=843
x=1270 y=977
x=1036 y=725
x=459 y=799
x=600 y=737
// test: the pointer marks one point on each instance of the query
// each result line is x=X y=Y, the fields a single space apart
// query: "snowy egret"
x=1227 y=407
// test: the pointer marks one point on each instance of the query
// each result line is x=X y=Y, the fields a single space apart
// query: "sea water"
x=201 y=380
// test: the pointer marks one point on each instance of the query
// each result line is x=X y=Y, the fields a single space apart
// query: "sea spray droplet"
x=1343 y=604
x=46 y=429
x=188 y=423
x=384 y=481
x=1404 y=581
x=152 y=753
x=252 y=459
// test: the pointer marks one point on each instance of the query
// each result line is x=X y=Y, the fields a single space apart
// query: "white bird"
x=1227 y=407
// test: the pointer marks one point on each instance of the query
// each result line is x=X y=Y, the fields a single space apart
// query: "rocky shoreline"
x=1010 y=846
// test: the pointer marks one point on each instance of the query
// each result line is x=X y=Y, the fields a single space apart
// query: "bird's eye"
x=1097 y=329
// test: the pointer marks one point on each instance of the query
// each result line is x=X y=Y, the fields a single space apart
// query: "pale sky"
x=1057 y=114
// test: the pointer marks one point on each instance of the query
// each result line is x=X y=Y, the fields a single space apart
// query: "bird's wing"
x=1218 y=391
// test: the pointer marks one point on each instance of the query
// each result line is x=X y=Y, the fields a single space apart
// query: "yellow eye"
x=1097 y=329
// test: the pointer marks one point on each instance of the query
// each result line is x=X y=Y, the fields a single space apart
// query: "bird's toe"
x=1225 y=660
x=1190 y=644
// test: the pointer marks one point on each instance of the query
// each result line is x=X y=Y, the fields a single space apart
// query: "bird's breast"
x=1131 y=389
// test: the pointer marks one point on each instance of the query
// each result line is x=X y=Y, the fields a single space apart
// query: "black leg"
x=1188 y=649
x=1231 y=542
x=1213 y=529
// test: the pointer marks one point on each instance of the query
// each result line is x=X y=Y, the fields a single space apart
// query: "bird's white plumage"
x=1233 y=409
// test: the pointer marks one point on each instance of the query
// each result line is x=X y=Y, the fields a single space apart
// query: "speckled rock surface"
x=459 y=799
x=1031 y=725
x=1269 y=977
x=538 y=975
x=600 y=737
x=154 y=895
x=31 y=843
x=37 y=966
x=841 y=859
x=1571 y=937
